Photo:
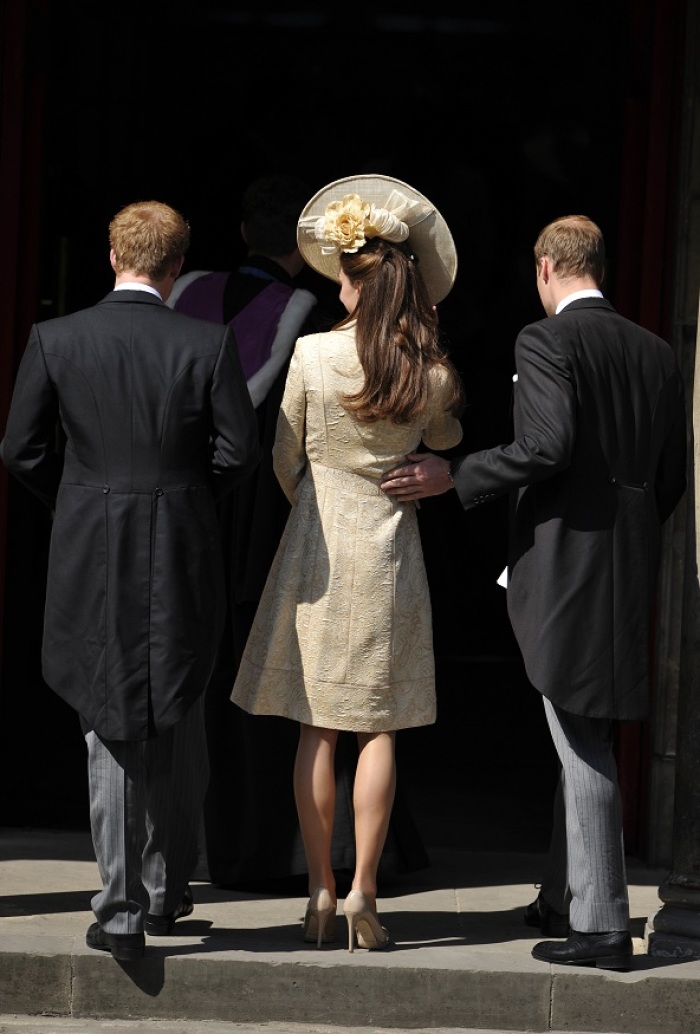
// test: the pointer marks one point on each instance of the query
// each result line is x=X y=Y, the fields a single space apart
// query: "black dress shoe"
x=123 y=946
x=604 y=950
x=550 y=922
x=161 y=926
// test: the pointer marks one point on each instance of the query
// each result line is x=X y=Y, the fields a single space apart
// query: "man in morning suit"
x=158 y=424
x=597 y=465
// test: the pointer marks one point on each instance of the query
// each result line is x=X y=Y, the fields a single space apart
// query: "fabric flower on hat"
x=347 y=224
x=345 y=214
x=343 y=224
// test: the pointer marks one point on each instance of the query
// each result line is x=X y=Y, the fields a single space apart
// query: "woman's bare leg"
x=314 y=792
x=375 y=785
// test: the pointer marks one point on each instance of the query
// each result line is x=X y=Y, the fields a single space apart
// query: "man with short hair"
x=597 y=465
x=158 y=425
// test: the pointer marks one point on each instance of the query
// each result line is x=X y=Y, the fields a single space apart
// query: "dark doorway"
x=505 y=118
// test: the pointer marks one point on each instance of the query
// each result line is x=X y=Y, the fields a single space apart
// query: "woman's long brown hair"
x=397 y=335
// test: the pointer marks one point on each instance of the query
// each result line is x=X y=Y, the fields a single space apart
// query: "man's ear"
x=113 y=259
x=544 y=270
x=177 y=267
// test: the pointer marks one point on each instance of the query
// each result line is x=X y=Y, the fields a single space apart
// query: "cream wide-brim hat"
x=429 y=238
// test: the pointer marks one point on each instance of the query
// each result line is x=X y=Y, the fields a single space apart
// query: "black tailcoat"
x=598 y=463
x=158 y=423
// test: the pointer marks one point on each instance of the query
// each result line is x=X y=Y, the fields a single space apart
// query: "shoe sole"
x=619 y=962
x=124 y=954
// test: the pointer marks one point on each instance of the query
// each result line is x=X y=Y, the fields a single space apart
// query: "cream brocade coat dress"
x=342 y=637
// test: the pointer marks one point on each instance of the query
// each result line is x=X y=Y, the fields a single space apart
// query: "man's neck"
x=561 y=289
x=581 y=292
x=160 y=287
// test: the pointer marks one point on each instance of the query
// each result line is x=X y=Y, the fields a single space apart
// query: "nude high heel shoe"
x=319 y=921
x=363 y=921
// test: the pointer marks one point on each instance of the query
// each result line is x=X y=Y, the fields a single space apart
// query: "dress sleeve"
x=289 y=450
x=442 y=430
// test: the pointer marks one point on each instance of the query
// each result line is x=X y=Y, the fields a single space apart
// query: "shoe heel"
x=319 y=921
x=363 y=923
x=352 y=922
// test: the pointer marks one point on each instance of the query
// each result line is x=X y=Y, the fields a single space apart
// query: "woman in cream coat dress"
x=342 y=638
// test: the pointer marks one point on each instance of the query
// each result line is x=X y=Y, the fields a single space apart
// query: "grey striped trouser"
x=586 y=863
x=145 y=814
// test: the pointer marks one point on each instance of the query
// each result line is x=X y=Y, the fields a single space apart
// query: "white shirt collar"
x=132 y=285
x=590 y=292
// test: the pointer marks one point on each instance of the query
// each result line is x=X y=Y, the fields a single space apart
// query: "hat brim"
x=430 y=239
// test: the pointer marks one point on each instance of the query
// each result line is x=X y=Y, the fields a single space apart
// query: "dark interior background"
x=506 y=116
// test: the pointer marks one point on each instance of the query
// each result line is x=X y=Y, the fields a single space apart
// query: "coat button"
x=159 y=491
x=105 y=489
